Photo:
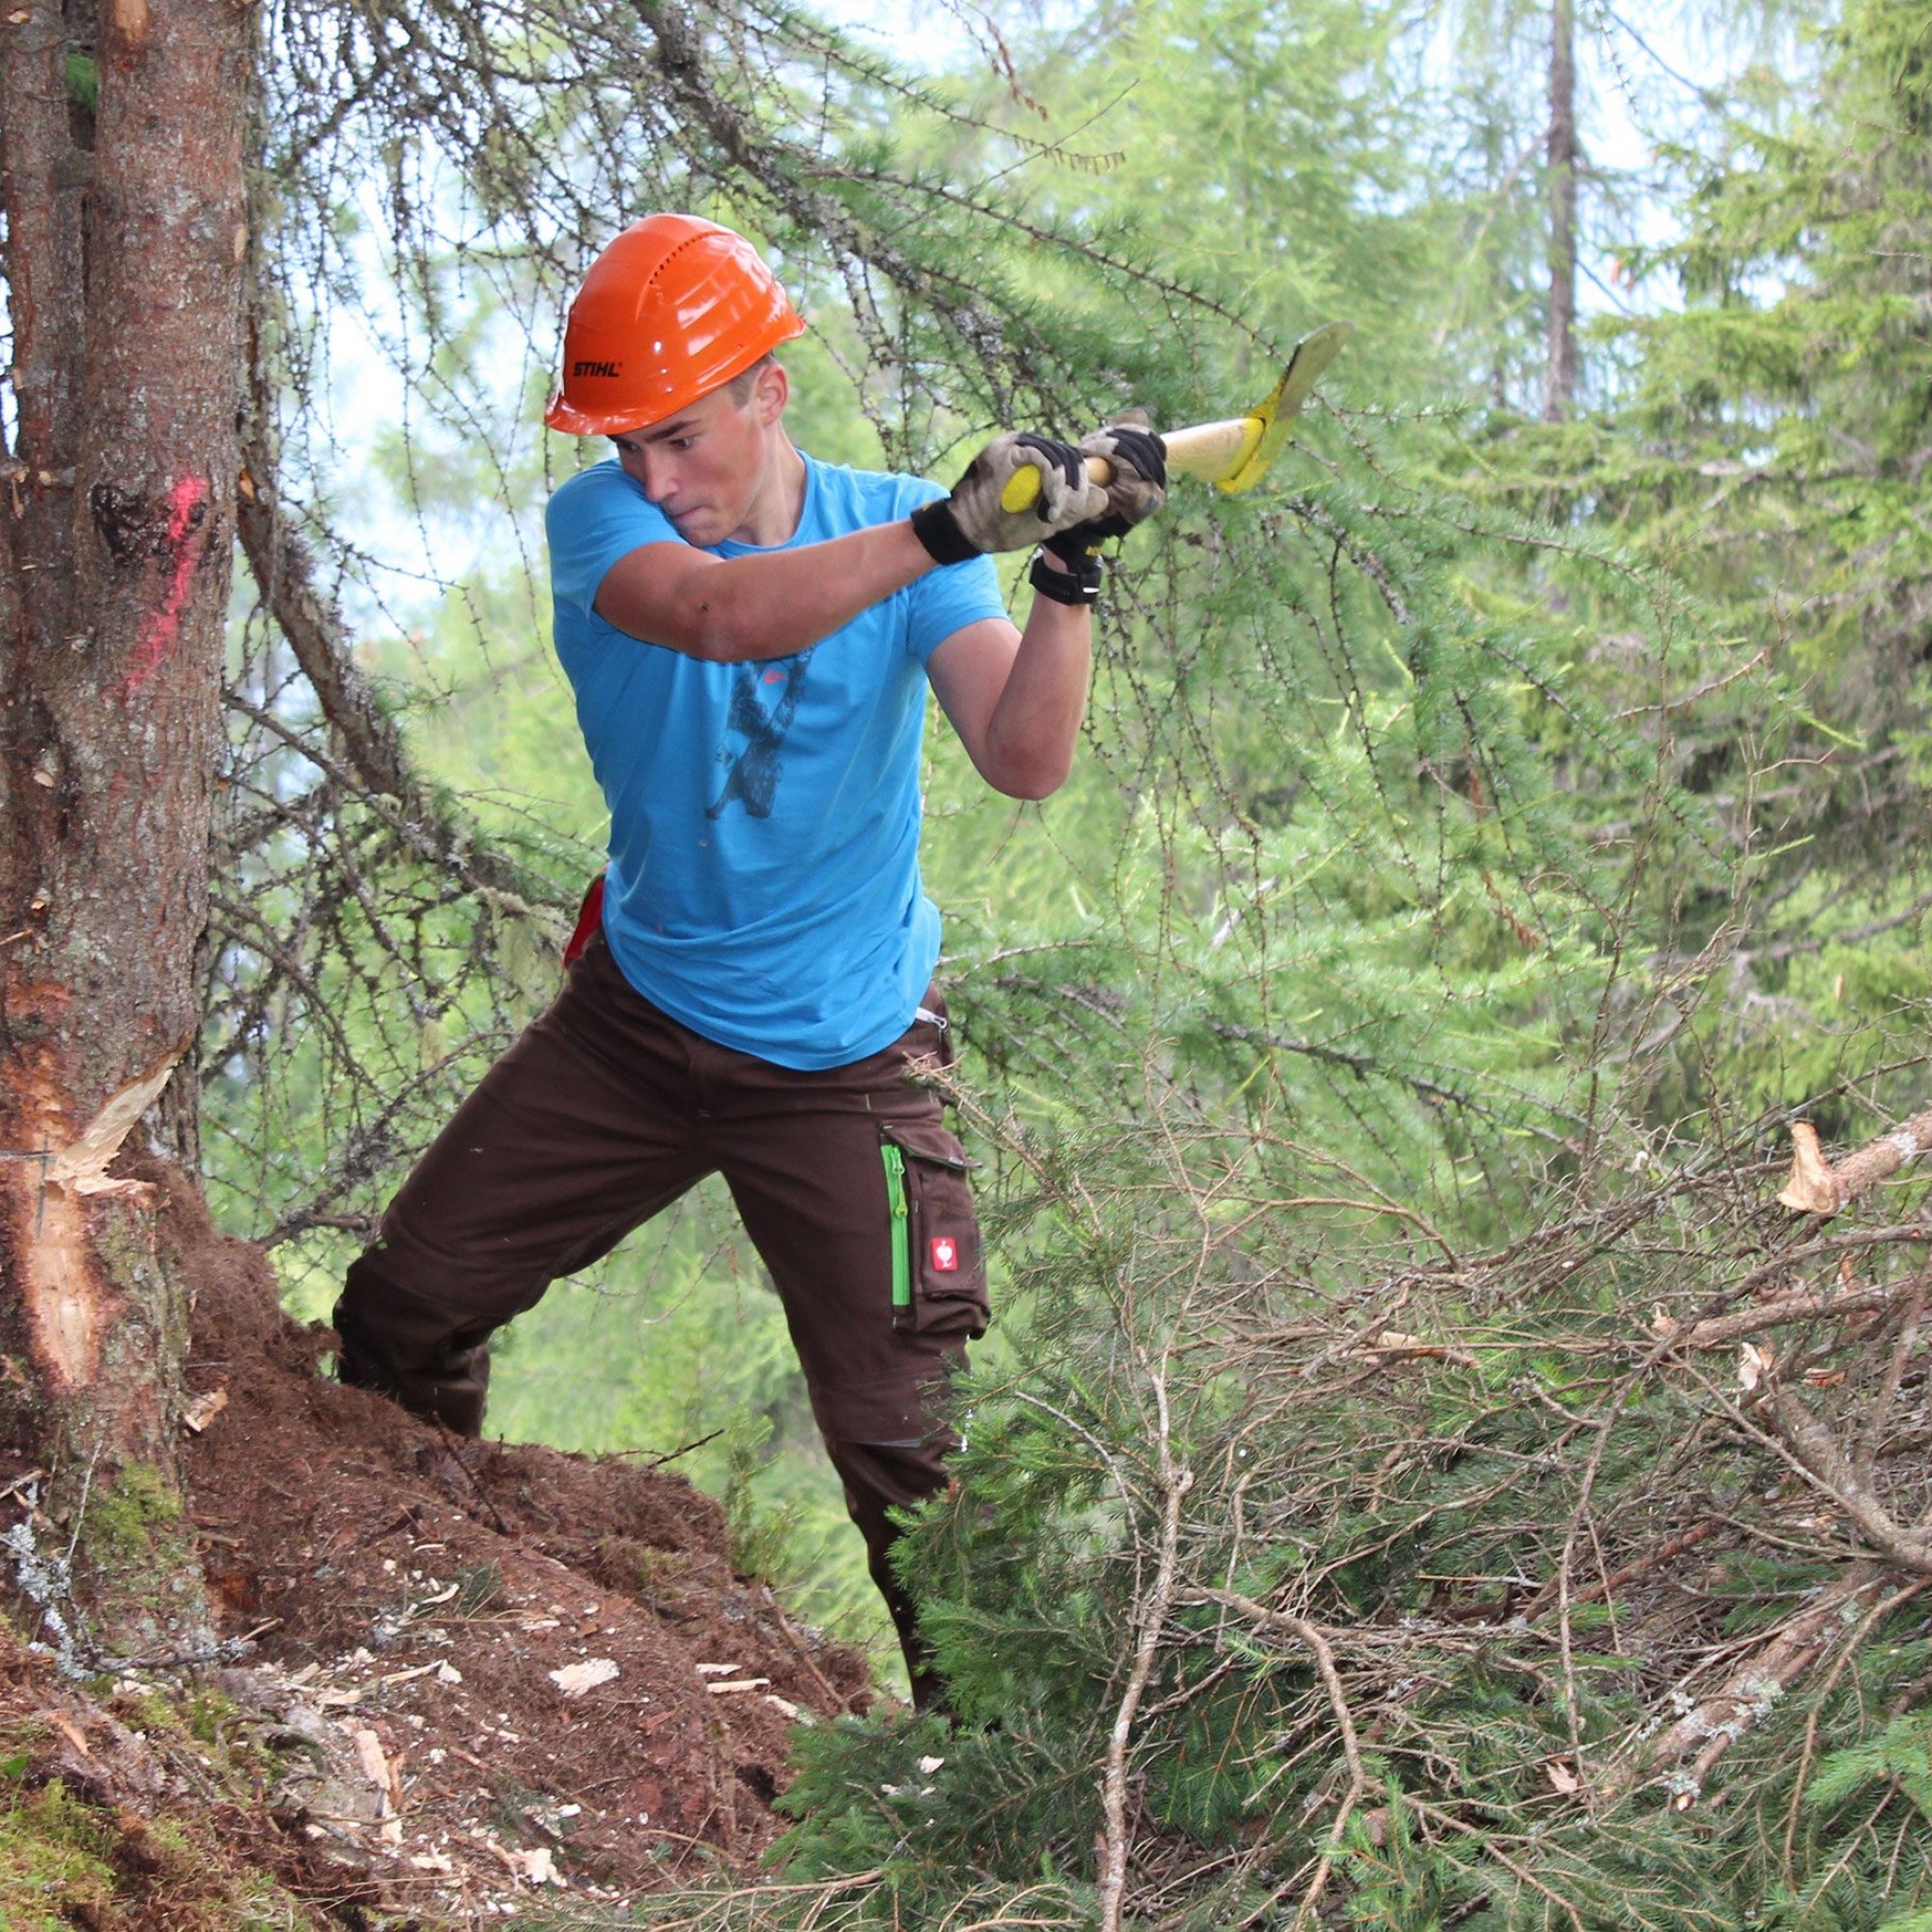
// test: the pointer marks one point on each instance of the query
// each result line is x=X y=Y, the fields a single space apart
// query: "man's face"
x=710 y=466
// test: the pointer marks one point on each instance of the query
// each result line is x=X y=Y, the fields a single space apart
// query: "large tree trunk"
x=1559 y=381
x=124 y=240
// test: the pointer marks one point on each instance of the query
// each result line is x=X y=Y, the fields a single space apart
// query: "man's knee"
x=888 y=1475
x=395 y=1343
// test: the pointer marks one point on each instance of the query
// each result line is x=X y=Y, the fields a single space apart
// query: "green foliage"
x=1413 y=1512
x=1897 y=1757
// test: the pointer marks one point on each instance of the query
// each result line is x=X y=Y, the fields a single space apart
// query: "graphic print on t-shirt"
x=752 y=775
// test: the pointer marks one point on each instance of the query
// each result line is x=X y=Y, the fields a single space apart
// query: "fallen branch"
x=1320 y=1648
x=1828 y=1244
x=1682 y=1756
x=1815 y=1449
x=1723 y=1329
x=1605 y=1586
x=1815 y=1186
x=1175 y=1482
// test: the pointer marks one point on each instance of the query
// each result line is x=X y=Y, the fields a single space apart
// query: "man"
x=750 y=635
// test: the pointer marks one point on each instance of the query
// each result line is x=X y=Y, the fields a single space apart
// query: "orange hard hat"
x=674 y=306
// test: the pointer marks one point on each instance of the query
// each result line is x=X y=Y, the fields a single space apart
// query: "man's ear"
x=772 y=393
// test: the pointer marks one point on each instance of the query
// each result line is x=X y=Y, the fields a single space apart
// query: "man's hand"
x=1138 y=458
x=971 y=519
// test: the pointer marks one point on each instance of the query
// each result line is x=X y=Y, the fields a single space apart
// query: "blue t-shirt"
x=764 y=884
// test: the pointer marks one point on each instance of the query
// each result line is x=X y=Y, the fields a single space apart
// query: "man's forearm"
x=769 y=603
x=1036 y=724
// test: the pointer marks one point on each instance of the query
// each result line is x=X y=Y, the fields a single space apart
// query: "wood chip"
x=204 y=1409
x=725 y=1688
x=1396 y=1346
x=68 y=1730
x=404 y=1676
x=1812 y=1187
x=534 y=1866
x=374 y=1763
x=575 y=1679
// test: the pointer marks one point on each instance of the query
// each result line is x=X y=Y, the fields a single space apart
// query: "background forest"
x=1419 y=1477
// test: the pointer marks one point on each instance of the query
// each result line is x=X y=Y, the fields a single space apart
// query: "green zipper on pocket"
x=896 y=1200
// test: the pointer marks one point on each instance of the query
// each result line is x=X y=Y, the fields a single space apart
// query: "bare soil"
x=475 y=1676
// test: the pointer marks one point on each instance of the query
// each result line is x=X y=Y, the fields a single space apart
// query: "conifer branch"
x=1319 y=1647
x=1684 y=1754
x=1814 y=1449
x=284 y=572
x=1720 y=1330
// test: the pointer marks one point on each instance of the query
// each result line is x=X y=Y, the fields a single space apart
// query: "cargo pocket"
x=939 y=1276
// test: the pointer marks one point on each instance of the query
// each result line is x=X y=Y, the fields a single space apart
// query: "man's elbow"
x=1029 y=781
x=1025 y=764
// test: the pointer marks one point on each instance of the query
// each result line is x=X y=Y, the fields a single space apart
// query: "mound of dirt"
x=474 y=1673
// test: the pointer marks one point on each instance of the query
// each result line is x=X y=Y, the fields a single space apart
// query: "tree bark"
x=124 y=232
x=1559 y=382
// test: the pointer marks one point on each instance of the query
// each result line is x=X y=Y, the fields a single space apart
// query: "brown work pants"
x=603 y=1112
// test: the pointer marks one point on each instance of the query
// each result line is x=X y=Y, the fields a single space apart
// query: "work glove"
x=1138 y=489
x=972 y=522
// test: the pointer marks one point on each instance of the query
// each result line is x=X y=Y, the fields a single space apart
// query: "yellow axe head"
x=1232 y=455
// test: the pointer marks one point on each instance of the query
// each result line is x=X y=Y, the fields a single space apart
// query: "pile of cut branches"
x=1294 y=1580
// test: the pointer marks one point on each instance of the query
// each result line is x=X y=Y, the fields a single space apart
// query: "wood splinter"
x=1815 y=1187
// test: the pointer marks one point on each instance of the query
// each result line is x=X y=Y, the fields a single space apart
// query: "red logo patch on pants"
x=945 y=1254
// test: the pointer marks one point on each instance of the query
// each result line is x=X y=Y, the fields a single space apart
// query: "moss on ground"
x=66 y=1861
x=54 y=1872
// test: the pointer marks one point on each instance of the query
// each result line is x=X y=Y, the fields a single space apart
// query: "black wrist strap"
x=1079 y=583
x=936 y=526
x=1078 y=549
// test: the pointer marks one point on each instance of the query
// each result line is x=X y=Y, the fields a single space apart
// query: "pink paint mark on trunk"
x=182 y=554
